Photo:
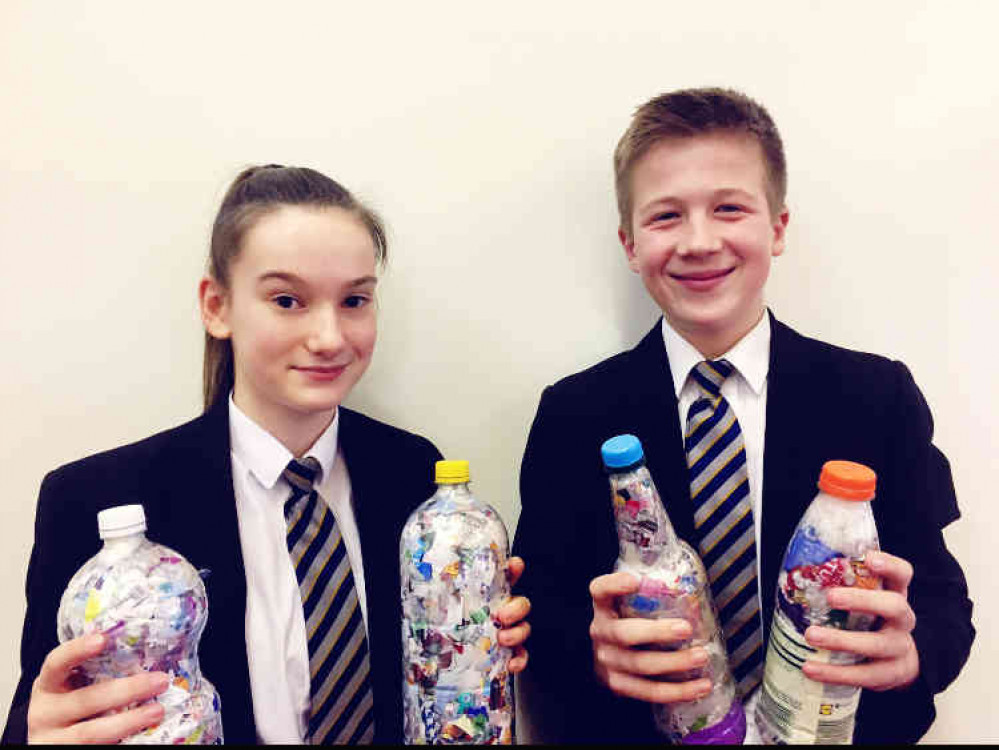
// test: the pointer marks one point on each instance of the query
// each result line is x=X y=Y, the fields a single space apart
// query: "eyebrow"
x=296 y=279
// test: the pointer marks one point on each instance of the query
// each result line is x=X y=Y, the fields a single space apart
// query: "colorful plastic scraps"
x=453 y=553
x=826 y=551
x=673 y=584
x=151 y=606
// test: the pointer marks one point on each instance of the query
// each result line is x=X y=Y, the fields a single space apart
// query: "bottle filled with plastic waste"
x=826 y=550
x=453 y=552
x=151 y=606
x=673 y=584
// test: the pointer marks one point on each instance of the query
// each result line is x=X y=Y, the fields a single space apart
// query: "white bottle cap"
x=122 y=520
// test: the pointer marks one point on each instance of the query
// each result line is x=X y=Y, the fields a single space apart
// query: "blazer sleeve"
x=51 y=564
x=919 y=491
x=939 y=592
x=566 y=536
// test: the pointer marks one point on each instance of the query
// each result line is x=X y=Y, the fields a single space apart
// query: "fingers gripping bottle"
x=151 y=606
x=827 y=550
x=673 y=584
x=453 y=553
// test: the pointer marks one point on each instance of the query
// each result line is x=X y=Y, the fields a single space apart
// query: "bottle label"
x=793 y=708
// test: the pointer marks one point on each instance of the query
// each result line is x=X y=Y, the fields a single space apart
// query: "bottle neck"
x=643 y=528
x=454 y=488
x=122 y=546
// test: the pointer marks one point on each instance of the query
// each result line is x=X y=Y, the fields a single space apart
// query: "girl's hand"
x=892 y=659
x=514 y=629
x=60 y=713
x=619 y=659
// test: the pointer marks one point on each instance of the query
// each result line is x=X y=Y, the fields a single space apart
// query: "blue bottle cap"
x=622 y=452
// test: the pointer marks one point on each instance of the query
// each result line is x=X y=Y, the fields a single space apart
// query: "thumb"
x=605 y=590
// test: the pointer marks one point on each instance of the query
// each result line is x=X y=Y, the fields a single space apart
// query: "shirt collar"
x=750 y=356
x=264 y=455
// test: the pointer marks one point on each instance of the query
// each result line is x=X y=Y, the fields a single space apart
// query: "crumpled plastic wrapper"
x=674 y=584
x=456 y=686
x=151 y=605
x=826 y=550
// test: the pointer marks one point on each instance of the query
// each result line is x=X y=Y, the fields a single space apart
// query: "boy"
x=700 y=178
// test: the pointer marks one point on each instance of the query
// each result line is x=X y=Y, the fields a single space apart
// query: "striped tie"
x=342 y=703
x=723 y=519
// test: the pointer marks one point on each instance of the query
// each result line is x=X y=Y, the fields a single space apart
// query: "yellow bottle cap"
x=451 y=472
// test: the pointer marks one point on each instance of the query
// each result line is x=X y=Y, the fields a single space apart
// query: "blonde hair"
x=255 y=192
x=690 y=112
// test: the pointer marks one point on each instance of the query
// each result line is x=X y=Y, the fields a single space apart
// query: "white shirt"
x=276 y=644
x=746 y=392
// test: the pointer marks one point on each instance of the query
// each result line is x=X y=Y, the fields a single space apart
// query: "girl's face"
x=300 y=312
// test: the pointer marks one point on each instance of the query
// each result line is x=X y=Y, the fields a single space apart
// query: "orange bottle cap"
x=848 y=480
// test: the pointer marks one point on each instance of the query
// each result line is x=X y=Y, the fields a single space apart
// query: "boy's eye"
x=729 y=208
x=286 y=301
x=666 y=216
x=356 y=300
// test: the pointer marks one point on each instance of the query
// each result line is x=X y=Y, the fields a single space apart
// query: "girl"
x=289 y=314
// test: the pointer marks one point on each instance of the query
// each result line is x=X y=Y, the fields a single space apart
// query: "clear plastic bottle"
x=453 y=553
x=673 y=584
x=151 y=606
x=827 y=550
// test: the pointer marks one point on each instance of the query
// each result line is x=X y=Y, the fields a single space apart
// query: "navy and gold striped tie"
x=723 y=519
x=342 y=703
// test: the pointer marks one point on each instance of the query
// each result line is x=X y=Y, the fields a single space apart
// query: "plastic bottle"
x=453 y=553
x=151 y=606
x=673 y=584
x=827 y=550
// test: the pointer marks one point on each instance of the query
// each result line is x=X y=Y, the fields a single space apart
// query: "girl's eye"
x=356 y=300
x=286 y=301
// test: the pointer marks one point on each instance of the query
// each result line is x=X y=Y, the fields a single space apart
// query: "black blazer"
x=823 y=402
x=183 y=478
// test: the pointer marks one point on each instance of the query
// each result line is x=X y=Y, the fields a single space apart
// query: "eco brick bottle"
x=826 y=550
x=151 y=606
x=453 y=552
x=673 y=584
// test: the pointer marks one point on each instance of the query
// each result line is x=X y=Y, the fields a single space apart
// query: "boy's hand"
x=59 y=713
x=514 y=629
x=626 y=668
x=892 y=659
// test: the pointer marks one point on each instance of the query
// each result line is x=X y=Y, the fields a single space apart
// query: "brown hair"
x=690 y=112
x=255 y=192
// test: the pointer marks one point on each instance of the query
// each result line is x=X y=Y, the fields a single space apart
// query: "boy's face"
x=702 y=235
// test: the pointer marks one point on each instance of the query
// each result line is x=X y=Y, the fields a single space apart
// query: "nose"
x=701 y=237
x=325 y=332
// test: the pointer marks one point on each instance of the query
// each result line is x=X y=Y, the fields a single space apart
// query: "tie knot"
x=302 y=474
x=710 y=375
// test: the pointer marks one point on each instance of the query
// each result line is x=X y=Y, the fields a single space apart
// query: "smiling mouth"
x=322 y=373
x=702 y=275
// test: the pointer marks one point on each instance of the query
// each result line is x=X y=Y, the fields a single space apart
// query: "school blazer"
x=183 y=478
x=823 y=403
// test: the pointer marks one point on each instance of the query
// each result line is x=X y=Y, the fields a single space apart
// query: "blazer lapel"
x=785 y=467
x=195 y=514
x=657 y=414
x=372 y=517
x=380 y=517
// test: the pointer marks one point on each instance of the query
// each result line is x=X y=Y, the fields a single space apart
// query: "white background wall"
x=485 y=139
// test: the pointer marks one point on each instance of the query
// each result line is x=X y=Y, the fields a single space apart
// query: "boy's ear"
x=780 y=231
x=628 y=243
x=214 y=303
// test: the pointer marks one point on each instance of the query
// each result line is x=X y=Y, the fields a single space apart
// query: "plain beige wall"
x=485 y=138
